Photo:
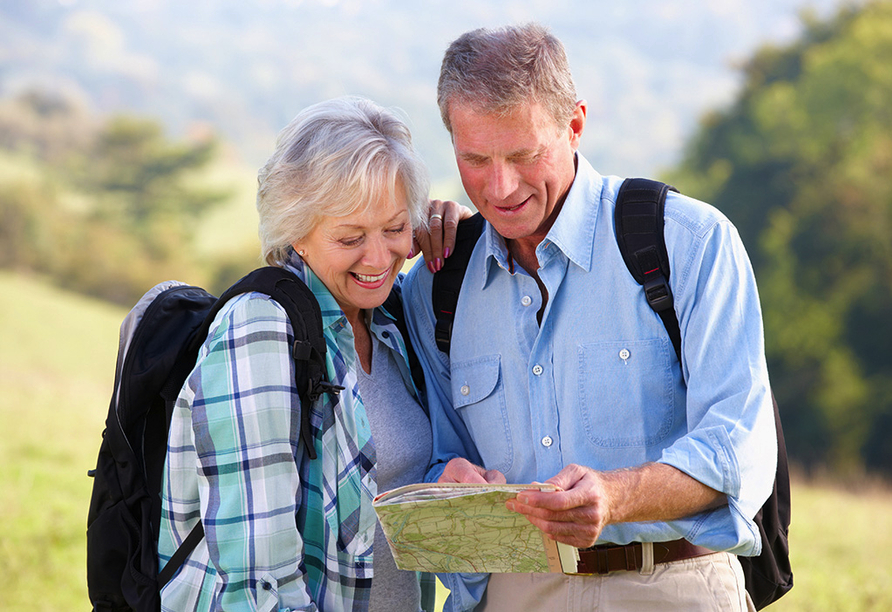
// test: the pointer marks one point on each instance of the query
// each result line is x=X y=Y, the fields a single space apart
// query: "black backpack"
x=160 y=340
x=639 y=234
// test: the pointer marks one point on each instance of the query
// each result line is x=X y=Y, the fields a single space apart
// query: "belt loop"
x=647 y=559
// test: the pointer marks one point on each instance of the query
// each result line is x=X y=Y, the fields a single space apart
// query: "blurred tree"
x=802 y=164
x=140 y=180
x=107 y=208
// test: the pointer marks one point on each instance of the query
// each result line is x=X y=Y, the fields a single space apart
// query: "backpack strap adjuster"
x=658 y=293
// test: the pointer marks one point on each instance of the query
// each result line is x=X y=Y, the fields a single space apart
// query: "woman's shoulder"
x=248 y=313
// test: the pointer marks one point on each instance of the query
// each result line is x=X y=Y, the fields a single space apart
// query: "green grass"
x=57 y=353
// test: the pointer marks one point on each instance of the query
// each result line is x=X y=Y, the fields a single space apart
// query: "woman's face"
x=359 y=256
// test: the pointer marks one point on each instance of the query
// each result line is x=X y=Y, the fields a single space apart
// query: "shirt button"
x=526 y=300
x=547 y=441
x=537 y=370
x=465 y=389
x=266 y=586
x=624 y=354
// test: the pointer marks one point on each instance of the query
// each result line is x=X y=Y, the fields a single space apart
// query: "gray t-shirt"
x=403 y=442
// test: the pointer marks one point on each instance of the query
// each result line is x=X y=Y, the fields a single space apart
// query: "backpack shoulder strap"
x=638 y=221
x=447 y=282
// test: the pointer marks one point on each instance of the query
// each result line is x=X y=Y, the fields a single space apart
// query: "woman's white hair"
x=333 y=159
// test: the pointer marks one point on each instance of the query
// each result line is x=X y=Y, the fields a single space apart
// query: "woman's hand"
x=438 y=243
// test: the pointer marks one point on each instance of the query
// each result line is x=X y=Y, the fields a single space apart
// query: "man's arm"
x=589 y=500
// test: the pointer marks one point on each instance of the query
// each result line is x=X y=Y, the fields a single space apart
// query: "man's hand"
x=462 y=470
x=589 y=500
x=437 y=244
x=575 y=514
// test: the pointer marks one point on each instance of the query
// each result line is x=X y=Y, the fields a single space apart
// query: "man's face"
x=516 y=168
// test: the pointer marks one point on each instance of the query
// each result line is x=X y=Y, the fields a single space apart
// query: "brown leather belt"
x=608 y=558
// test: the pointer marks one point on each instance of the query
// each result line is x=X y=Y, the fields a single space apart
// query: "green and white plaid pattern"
x=235 y=462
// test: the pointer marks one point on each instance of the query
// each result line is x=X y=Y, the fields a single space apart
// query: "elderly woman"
x=338 y=202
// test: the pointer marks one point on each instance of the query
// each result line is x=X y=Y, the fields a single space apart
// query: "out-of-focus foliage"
x=802 y=164
x=107 y=208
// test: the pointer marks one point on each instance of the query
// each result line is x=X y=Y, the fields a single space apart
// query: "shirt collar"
x=573 y=231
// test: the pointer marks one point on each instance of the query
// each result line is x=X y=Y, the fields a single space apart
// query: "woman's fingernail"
x=430 y=266
x=446 y=252
x=439 y=263
x=411 y=254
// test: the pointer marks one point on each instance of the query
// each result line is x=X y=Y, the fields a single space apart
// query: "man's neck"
x=522 y=252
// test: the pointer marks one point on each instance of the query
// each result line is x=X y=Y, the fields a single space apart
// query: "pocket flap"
x=474 y=380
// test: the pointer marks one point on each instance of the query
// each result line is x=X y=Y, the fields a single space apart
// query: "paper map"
x=466 y=528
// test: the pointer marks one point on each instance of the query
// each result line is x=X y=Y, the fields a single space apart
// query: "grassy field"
x=57 y=355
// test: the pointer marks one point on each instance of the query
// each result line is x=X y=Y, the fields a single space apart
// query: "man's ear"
x=577 y=123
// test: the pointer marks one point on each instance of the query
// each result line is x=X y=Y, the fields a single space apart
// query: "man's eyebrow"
x=518 y=154
x=472 y=156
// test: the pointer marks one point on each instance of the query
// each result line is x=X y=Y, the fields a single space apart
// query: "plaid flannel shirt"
x=282 y=532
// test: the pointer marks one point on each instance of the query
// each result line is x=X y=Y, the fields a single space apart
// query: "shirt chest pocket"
x=478 y=395
x=627 y=391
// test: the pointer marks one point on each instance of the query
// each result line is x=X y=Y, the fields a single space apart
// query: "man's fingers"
x=494 y=477
x=462 y=470
x=574 y=534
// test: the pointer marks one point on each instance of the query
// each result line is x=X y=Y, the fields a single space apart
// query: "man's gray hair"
x=496 y=70
x=335 y=158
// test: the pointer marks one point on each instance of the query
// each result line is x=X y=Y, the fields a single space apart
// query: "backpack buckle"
x=658 y=293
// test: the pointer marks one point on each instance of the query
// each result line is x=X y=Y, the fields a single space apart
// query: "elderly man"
x=560 y=372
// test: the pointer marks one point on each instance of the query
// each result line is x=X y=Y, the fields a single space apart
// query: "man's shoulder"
x=695 y=216
x=416 y=285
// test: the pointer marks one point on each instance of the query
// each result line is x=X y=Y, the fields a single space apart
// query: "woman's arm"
x=245 y=434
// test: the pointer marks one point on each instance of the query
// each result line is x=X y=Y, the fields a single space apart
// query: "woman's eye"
x=399 y=229
x=352 y=241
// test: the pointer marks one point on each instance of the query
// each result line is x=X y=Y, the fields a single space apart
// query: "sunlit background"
x=131 y=133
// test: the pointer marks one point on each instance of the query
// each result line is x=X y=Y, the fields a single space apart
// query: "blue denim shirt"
x=598 y=382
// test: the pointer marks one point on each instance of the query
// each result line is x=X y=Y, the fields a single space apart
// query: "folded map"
x=467 y=528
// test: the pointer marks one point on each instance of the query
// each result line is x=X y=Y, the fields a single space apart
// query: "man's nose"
x=501 y=182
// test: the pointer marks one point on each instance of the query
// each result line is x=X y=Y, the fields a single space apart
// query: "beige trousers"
x=709 y=583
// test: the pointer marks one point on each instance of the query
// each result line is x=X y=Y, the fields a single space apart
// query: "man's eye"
x=524 y=159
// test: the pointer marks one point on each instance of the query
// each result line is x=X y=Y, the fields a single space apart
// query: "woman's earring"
x=301 y=252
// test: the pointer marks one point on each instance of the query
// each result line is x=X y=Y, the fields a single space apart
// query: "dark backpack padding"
x=639 y=234
x=160 y=340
